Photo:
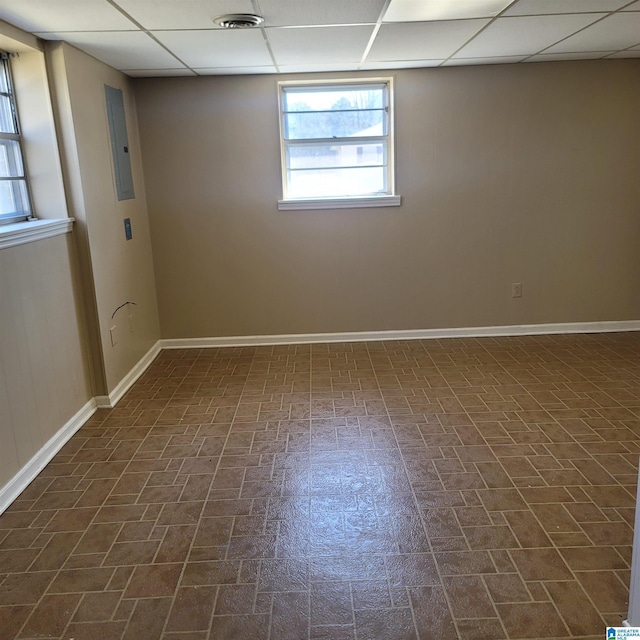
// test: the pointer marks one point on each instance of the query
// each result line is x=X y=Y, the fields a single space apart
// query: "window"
x=14 y=197
x=337 y=143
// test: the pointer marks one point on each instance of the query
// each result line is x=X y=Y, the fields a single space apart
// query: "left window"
x=14 y=190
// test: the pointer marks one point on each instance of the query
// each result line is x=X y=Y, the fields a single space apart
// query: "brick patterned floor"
x=471 y=488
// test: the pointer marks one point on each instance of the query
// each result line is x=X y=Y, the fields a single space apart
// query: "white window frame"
x=387 y=199
x=21 y=195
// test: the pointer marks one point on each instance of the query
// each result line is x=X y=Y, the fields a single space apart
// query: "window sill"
x=339 y=203
x=18 y=233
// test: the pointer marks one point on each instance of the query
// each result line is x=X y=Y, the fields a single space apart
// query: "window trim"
x=27 y=211
x=388 y=199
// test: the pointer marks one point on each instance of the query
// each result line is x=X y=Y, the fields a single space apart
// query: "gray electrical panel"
x=119 y=143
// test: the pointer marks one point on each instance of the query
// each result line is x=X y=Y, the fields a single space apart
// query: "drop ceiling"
x=178 y=37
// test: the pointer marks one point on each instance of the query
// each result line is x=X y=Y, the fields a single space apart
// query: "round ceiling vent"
x=239 y=21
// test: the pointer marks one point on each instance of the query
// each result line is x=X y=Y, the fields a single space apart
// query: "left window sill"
x=12 y=235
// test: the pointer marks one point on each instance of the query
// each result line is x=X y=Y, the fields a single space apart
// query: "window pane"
x=13 y=197
x=4 y=85
x=7 y=121
x=335 y=98
x=323 y=183
x=10 y=159
x=336 y=124
x=311 y=156
x=335 y=139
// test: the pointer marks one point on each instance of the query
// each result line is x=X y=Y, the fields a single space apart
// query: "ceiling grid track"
x=116 y=6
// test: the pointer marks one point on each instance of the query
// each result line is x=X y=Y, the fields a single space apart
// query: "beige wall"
x=115 y=270
x=45 y=381
x=57 y=295
x=510 y=173
x=44 y=377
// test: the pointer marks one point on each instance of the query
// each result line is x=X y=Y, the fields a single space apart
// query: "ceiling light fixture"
x=239 y=21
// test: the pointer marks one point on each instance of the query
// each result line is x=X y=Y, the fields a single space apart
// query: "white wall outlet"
x=114 y=337
x=132 y=327
x=516 y=290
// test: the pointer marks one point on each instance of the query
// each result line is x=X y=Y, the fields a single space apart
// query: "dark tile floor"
x=472 y=489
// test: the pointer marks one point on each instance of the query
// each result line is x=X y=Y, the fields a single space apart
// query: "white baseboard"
x=412 y=334
x=108 y=402
x=21 y=480
x=39 y=461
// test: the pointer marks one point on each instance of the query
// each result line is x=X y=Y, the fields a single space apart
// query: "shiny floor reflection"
x=472 y=489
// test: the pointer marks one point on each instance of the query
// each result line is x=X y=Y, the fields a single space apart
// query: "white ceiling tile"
x=585 y=55
x=422 y=40
x=120 y=49
x=619 y=31
x=159 y=73
x=542 y=7
x=412 y=11
x=458 y=62
x=317 y=68
x=312 y=12
x=63 y=15
x=524 y=36
x=331 y=35
x=217 y=47
x=319 y=45
x=402 y=64
x=184 y=14
x=232 y=71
